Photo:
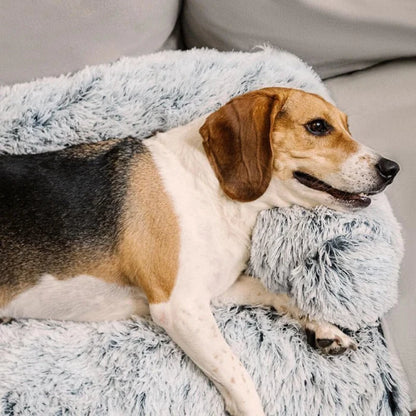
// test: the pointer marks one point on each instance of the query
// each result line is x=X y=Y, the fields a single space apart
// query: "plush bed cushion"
x=381 y=103
x=46 y=37
x=334 y=37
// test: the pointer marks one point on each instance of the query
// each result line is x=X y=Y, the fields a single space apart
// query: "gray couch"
x=366 y=52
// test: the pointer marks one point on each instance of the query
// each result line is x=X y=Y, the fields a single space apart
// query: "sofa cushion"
x=45 y=38
x=334 y=37
x=381 y=104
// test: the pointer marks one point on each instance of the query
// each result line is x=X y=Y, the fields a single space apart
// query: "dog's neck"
x=183 y=147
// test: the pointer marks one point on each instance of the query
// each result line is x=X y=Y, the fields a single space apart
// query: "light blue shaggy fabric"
x=342 y=267
x=338 y=267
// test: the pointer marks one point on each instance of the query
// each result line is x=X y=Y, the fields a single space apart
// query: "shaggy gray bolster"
x=340 y=267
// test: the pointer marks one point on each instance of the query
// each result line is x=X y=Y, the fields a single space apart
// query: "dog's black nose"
x=387 y=168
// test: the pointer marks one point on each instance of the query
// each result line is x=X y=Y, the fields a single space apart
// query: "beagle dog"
x=125 y=227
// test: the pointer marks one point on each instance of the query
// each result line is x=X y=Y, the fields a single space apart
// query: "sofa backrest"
x=48 y=38
x=334 y=37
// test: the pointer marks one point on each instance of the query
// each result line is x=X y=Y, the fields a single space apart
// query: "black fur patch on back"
x=56 y=205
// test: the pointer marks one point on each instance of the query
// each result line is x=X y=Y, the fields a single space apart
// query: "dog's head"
x=297 y=138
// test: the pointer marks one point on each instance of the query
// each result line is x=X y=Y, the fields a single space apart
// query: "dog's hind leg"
x=322 y=335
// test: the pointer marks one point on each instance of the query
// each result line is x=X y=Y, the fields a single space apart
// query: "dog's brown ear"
x=236 y=139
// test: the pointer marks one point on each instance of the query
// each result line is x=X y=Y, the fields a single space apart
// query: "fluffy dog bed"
x=340 y=267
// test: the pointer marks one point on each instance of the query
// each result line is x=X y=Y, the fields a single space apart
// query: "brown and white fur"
x=182 y=208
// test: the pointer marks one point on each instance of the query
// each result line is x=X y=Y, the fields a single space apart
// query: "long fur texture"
x=338 y=266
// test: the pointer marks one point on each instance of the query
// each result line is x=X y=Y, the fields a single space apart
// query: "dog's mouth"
x=360 y=200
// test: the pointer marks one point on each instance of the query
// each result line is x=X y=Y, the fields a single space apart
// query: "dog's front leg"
x=192 y=326
x=323 y=335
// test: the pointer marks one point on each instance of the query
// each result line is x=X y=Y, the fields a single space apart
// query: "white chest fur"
x=215 y=231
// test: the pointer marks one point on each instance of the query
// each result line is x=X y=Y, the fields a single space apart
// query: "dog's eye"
x=318 y=127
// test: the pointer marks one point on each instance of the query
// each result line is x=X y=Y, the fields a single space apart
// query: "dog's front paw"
x=328 y=338
x=5 y=321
